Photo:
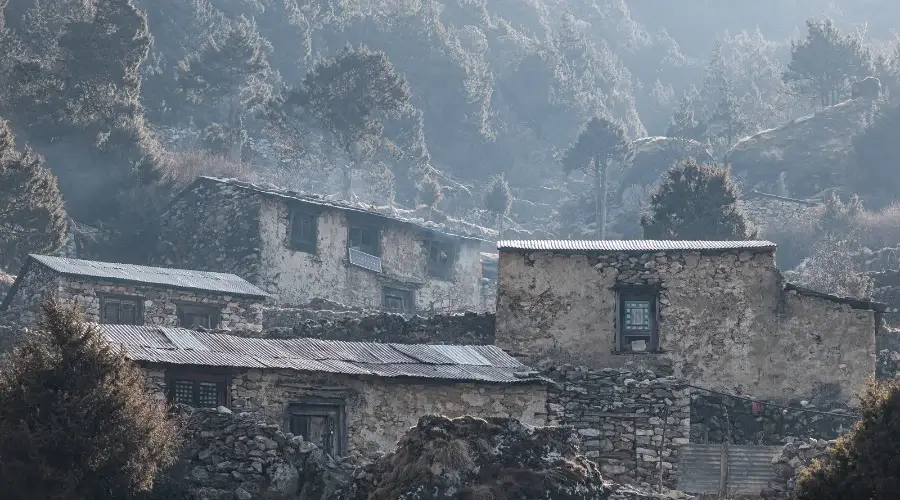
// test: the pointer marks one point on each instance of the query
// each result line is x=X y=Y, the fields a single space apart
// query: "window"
x=638 y=328
x=395 y=299
x=303 y=232
x=321 y=422
x=200 y=390
x=121 y=311
x=440 y=259
x=365 y=239
x=194 y=316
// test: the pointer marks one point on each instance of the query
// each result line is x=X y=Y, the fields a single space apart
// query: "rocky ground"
x=498 y=458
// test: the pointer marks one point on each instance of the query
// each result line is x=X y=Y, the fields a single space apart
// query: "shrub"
x=863 y=464
x=76 y=419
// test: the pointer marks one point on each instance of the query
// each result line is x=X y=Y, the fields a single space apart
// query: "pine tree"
x=230 y=70
x=429 y=192
x=600 y=143
x=696 y=202
x=498 y=200
x=32 y=218
x=76 y=420
x=823 y=65
x=350 y=95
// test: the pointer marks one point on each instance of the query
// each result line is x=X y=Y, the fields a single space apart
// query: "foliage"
x=429 y=191
x=76 y=420
x=498 y=197
x=696 y=202
x=600 y=143
x=824 y=64
x=876 y=152
x=862 y=463
x=32 y=217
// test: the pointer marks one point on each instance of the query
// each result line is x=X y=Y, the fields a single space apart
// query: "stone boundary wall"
x=240 y=456
x=631 y=423
x=887 y=291
x=716 y=419
x=787 y=465
x=371 y=326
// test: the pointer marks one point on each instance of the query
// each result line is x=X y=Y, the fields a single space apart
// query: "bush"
x=863 y=464
x=181 y=169
x=76 y=420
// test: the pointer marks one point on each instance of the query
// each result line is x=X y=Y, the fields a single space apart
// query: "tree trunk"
x=499 y=226
x=236 y=131
x=347 y=182
x=604 y=168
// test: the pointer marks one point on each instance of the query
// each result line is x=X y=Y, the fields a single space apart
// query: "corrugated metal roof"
x=224 y=283
x=450 y=362
x=631 y=245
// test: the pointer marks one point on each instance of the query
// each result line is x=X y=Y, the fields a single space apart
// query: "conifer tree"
x=32 y=218
x=498 y=200
x=76 y=419
x=696 y=202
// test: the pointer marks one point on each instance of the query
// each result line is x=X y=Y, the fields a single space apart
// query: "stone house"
x=344 y=396
x=301 y=247
x=715 y=314
x=136 y=295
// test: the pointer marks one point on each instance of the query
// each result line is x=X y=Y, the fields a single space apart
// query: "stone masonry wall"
x=242 y=456
x=887 y=291
x=159 y=304
x=787 y=465
x=25 y=305
x=726 y=320
x=372 y=326
x=766 y=210
x=631 y=422
x=378 y=410
x=212 y=227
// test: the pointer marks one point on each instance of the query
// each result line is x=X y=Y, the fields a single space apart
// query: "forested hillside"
x=127 y=100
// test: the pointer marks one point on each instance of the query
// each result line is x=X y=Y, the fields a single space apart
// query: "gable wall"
x=724 y=321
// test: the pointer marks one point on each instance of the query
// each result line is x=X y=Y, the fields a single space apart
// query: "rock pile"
x=497 y=458
x=788 y=463
x=240 y=456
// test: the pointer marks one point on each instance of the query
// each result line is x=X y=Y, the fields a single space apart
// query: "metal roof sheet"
x=632 y=245
x=224 y=283
x=450 y=362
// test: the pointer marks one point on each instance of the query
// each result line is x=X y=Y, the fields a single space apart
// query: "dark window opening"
x=440 y=259
x=365 y=239
x=191 y=316
x=198 y=390
x=121 y=311
x=395 y=299
x=321 y=423
x=638 y=325
x=303 y=232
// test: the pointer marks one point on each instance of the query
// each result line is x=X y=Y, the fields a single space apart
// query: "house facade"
x=344 y=396
x=716 y=314
x=300 y=247
x=136 y=295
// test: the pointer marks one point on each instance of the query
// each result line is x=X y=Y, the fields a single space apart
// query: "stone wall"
x=630 y=422
x=887 y=291
x=726 y=320
x=160 y=305
x=239 y=456
x=768 y=210
x=378 y=410
x=787 y=465
x=296 y=277
x=716 y=419
x=371 y=326
x=212 y=227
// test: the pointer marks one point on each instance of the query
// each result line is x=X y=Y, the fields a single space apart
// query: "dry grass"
x=181 y=169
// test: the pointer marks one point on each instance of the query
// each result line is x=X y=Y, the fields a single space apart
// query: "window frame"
x=303 y=246
x=648 y=293
x=222 y=379
x=192 y=308
x=321 y=407
x=138 y=309
x=410 y=307
x=363 y=228
x=440 y=271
